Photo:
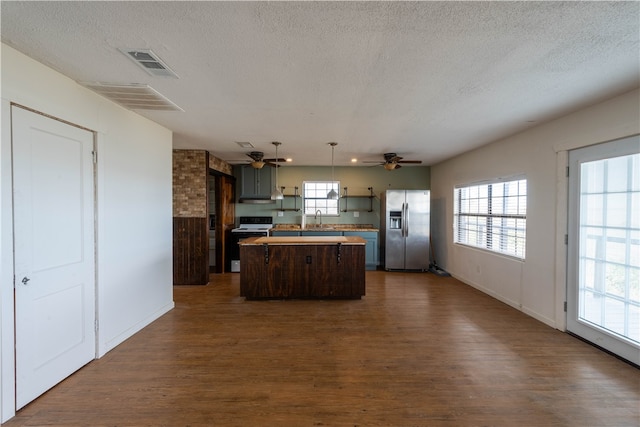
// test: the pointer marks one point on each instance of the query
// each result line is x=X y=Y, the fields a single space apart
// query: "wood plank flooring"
x=417 y=350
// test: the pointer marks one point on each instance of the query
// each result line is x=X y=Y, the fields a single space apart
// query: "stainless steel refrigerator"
x=405 y=229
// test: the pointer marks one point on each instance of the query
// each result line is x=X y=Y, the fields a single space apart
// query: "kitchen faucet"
x=319 y=212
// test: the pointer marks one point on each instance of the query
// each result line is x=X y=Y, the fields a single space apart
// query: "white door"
x=54 y=251
x=603 y=295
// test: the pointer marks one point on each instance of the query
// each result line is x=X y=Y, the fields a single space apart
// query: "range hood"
x=256 y=200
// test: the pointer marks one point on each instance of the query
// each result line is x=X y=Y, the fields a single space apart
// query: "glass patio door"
x=603 y=295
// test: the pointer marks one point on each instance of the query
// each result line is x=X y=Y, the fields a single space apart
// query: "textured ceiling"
x=427 y=80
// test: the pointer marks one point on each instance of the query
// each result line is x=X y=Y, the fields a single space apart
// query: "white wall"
x=133 y=196
x=537 y=285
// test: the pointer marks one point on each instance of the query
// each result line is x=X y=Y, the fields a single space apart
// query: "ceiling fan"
x=392 y=161
x=258 y=160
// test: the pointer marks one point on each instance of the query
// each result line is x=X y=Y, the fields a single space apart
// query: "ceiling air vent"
x=150 y=62
x=134 y=96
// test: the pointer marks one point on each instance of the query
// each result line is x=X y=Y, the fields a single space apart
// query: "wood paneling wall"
x=190 y=251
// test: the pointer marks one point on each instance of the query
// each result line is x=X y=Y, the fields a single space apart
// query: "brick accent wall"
x=190 y=174
x=220 y=165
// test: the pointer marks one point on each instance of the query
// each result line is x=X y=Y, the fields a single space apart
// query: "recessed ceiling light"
x=354 y=160
x=289 y=159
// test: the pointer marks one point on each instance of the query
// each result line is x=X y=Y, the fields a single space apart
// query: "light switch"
x=356 y=214
x=280 y=213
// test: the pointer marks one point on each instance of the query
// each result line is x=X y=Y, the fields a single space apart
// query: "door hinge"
x=567 y=171
x=565 y=306
x=95 y=325
x=566 y=239
x=95 y=156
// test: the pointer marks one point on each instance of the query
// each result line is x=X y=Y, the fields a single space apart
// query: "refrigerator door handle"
x=406 y=219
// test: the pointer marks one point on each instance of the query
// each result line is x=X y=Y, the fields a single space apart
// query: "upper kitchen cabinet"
x=255 y=184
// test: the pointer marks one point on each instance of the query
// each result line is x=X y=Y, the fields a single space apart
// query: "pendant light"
x=332 y=195
x=276 y=194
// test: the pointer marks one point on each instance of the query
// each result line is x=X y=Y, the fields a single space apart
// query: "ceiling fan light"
x=257 y=165
x=390 y=166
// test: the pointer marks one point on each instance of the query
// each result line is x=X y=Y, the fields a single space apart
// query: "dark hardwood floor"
x=417 y=350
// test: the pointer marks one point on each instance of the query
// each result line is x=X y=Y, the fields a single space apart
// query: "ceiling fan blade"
x=256 y=155
x=415 y=162
x=279 y=160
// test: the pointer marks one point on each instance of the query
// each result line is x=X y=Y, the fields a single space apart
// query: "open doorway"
x=222 y=214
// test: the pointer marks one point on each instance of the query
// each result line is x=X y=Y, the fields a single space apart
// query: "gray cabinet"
x=280 y=233
x=321 y=233
x=371 y=250
x=255 y=184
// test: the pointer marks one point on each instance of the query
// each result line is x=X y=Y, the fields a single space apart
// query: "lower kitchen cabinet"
x=333 y=279
x=272 y=274
x=371 y=249
x=280 y=233
x=321 y=233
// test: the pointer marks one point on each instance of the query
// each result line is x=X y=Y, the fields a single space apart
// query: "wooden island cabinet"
x=302 y=267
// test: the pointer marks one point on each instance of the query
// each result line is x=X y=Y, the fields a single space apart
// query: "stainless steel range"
x=249 y=226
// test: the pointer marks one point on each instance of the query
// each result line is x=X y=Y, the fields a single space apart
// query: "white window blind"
x=315 y=197
x=492 y=216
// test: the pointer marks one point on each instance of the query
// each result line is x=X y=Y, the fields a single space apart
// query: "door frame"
x=7 y=267
x=598 y=336
x=225 y=218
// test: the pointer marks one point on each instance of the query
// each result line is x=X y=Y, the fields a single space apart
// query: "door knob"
x=25 y=280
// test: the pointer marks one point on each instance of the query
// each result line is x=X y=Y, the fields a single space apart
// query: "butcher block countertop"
x=304 y=240
x=325 y=227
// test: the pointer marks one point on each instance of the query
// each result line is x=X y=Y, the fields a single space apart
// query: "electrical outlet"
x=356 y=214
x=280 y=213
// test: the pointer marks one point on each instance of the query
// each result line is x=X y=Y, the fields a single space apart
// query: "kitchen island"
x=366 y=231
x=302 y=267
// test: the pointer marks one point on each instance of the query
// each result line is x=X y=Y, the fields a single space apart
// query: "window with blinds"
x=492 y=216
